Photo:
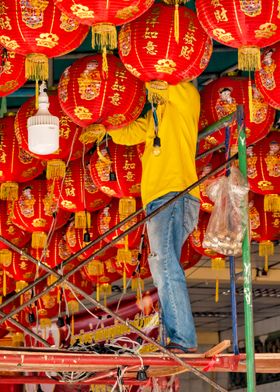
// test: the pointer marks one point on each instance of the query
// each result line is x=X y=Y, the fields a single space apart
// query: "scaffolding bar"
x=246 y=260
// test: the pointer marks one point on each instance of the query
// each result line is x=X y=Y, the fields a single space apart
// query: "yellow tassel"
x=73 y=306
x=217 y=291
x=157 y=92
x=45 y=323
x=5 y=257
x=95 y=268
x=55 y=169
x=251 y=106
x=18 y=339
x=39 y=240
x=4 y=283
x=124 y=256
x=97 y=292
x=37 y=66
x=218 y=263
x=20 y=285
x=137 y=285
x=72 y=325
x=124 y=278
x=105 y=289
x=127 y=206
x=82 y=220
x=104 y=35
x=176 y=23
x=37 y=94
x=266 y=248
x=104 y=62
x=51 y=279
x=93 y=133
x=272 y=203
x=9 y=191
x=249 y=58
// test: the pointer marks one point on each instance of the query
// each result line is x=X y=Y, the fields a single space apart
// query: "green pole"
x=216 y=126
x=246 y=261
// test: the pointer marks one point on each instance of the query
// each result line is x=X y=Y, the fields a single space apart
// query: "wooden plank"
x=219 y=348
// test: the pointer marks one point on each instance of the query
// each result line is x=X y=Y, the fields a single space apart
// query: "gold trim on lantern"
x=249 y=58
x=157 y=91
x=56 y=168
x=82 y=220
x=73 y=306
x=39 y=240
x=272 y=203
x=127 y=206
x=20 y=285
x=93 y=133
x=266 y=248
x=37 y=66
x=104 y=35
x=9 y=191
x=5 y=257
x=95 y=268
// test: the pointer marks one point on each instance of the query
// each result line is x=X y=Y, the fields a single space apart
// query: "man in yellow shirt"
x=166 y=171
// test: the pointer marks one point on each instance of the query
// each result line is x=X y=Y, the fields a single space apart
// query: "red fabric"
x=12 y=72
x=240 y=23
x=148 y=48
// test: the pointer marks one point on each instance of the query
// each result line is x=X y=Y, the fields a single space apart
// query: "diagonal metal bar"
x=216 y=126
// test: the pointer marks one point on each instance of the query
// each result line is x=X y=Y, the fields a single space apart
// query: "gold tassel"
x=127 y=206
x=217 y=264
x=266 y=248
x=272 y=203
x=36 y=66
x=97 y=292
x=51 y=279
x=157 y=92
x=39 y=240
x=137 y=284
x=37 y=94
x=73 y=306
x=4 y=283
x=124 y=256
x=124 y=278
x=82 y=220
x=95 y=268
x=55 y=169
x=104 y=62
x=72 y=325
x=5 y=257
x=20 y=285
x=251 y=106
x=104 y=34
x=105 y=289
x=18 y=339
x=93 y=133
x=249 y=58
x=9 y=191
x=176 y=23
x=45 y=323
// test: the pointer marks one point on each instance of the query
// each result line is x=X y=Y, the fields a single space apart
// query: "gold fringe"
x=249 y=58
x=272 y=203
x=5 y=257
x=82 y=220
x=73 y=325
x=20 y=285
x=250 y=95
x=51 y=279
x=18 y=338
x=38 y=240
x=137 y=284
x=45 y=323
x=157 y=92
x=124 y=256
x=97 y=292
x=266 y=248
x=9 y=191
x=105 y=67
x=124 y=278
x=93 y=133
x=105 y=290
x=37 y=94
x=95 y=268
x=36 y=66
x=218 y=263
x=104 y=34
x=127 y=206
x=4 y=283
x=217 y=291
x=176 y=23
x=73 y=306
x=56 y=168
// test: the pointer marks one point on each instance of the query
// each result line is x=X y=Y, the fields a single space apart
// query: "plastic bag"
x=229 y=217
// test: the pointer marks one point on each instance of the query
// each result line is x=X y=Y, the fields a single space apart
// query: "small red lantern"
x=16 y=165
x=69 y=134
x=36 y=212
x=39 y=31
x=90 y=97
x=12 y=73
x=268 y=77
x=153 y=48
x=120 y=174
x=263 y=162
x=79 y=194
x=221 y=97
x=246 y=25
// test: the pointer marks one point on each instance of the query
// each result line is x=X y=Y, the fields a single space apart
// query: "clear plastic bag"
x=228 y=220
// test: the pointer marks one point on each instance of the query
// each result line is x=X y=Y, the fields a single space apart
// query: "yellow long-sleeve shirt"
x=174 y=169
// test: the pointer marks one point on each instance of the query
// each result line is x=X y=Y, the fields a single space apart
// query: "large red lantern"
x=79 y=194
x=221 y=97
x=263 y=162
x=12 y=73
x=153 y=49
x=103 y=16
x=264 y=226
x=119 y=174
x=69 y=145
x=36 y=212
x=39 y=31
x=268 y=77
x=16 y=165
x=91 y=97
x=246 y=25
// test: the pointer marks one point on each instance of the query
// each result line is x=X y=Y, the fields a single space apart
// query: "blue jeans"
x=167 y=232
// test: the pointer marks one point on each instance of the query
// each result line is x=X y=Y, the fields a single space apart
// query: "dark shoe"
x=176 y=348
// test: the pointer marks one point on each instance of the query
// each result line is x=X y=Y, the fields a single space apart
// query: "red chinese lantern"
x=16 y=165
x=36 y=212
x=268 y=77
x=263 y=169
x=103 y=16
x=47 y=306
x=189 y=256
x=264 y=226
x=120 y=174
x=39 y=31
x=90 y=97
x=246 y=25
x=221 y=97
x=153 y=48
x=79 y=194
x=11 y=233
x=69 y=133
x=12 y=73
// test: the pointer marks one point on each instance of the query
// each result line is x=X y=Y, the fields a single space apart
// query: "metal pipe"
x=246 y=261
x=216 y=126
x=211 y=150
